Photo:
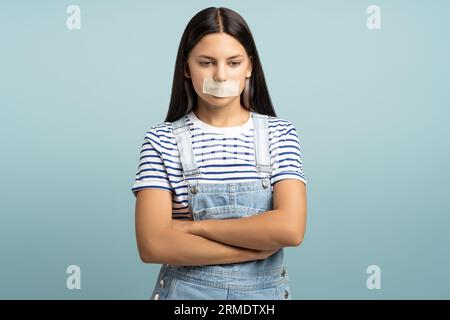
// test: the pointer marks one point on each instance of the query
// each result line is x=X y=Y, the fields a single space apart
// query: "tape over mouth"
x=229 y=88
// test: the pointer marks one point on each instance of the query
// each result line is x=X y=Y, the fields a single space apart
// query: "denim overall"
x=264 y=279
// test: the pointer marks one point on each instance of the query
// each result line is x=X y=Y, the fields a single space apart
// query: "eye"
x=235 y=63
x=205 y=63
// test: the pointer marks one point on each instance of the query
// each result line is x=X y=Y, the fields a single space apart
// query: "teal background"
x=371 y=108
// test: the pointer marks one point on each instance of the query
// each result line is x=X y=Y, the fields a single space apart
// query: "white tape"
x=229 y=88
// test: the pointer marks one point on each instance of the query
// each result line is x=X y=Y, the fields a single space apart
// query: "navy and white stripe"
x=221 y=157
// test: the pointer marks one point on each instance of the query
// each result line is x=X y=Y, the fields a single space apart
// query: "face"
x=221 y=57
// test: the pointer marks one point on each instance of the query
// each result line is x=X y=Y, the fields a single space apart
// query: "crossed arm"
x=281 y=227
x=162 y=239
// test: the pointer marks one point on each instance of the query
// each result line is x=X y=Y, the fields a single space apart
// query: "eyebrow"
x=208 y=57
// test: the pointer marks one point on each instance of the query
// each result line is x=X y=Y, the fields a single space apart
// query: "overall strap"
x=261 y=141
x=182 y=134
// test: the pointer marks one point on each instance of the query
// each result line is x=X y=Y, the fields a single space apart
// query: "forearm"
x=264 y=231
x=179 y=248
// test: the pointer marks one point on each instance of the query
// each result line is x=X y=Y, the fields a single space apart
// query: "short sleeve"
x=288 y=162
x=151 y=171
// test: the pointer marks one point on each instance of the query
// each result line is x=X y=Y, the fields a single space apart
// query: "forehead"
x=218 y=45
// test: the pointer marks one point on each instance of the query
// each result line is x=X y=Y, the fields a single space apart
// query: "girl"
x=220 y=189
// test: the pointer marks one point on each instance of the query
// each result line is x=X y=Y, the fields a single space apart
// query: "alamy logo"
x=374 y=20
x=73 y=21
x=374 y=280
x=74 y=280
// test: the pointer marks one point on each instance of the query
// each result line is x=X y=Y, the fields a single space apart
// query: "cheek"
x=197 y=75
x=197 y=82
x=240 y=76
x=241 y=83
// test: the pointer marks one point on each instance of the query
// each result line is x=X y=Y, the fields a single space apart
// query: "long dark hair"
x=184 y=98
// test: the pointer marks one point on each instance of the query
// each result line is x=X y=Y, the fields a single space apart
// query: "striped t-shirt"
x=222 y=154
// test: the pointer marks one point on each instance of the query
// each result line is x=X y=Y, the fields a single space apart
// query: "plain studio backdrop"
x=371 y=107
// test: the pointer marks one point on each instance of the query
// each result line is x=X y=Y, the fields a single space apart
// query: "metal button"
x=283 y=273
x=194 y=190
x=161 y=283
x=156 y=296
x=286 y=294
x=265 y=184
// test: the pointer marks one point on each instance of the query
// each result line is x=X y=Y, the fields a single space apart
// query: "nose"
x=220 y=72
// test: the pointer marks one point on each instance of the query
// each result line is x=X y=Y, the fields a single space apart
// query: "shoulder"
x=277 y=121
x=159 y=130
x=280 y=126
x=159 y=134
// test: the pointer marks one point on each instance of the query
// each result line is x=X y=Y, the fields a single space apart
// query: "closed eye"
x=207 y=63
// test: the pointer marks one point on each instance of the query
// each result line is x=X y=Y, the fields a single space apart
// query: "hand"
x=183 y=225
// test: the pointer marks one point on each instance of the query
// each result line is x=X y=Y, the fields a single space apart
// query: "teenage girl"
x=220 y=188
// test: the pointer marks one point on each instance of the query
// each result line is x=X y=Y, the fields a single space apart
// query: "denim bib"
x=250 y=280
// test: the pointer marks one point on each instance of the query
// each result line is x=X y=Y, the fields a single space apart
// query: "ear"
x=187 y=73
x=250 y=68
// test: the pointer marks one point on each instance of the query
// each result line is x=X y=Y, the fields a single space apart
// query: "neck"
x=231 y=115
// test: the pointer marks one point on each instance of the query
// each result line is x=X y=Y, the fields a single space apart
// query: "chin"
x=220 y=100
